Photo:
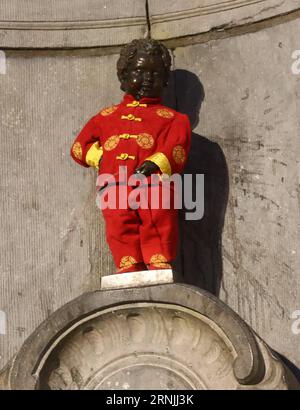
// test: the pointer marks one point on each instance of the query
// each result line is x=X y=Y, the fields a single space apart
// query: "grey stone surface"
x=171 y=18
x=61 y=24
x=52 y=243
x=63 y=10
x=250 y=109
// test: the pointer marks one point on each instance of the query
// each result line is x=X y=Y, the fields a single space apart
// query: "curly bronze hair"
x=149 y=46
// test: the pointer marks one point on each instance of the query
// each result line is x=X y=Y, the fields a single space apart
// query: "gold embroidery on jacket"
x=145 y=140
x=77 y=150
x=111 y=142
x=164 y=113
x=109 y=110
x=178 y=154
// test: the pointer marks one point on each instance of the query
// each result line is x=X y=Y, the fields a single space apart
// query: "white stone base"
x=137 y=279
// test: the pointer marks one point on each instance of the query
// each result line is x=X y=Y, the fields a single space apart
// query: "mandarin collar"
x=128 y=98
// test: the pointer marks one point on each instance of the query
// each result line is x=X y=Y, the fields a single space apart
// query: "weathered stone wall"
x=52 y=238
x=251 y=109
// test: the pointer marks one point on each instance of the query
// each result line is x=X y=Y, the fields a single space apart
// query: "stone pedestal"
x=166 y=337
x=136 y=279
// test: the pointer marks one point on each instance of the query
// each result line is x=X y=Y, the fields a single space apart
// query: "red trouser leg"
x=159 y=229
x=123 y=235
x=146 y=235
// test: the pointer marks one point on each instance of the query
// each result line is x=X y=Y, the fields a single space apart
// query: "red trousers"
x=144 y=234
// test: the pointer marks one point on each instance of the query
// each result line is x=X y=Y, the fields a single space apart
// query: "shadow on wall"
x=293 y=368
x=199 y=260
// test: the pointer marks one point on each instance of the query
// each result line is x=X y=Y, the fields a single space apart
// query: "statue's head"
x=144 y=68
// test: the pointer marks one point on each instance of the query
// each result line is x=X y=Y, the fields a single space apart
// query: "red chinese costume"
x=129 y=134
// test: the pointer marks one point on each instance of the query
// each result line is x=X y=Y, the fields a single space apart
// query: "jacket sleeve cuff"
x=94 y=155
x=162 y=162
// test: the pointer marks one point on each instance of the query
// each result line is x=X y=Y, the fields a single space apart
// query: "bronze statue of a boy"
x=147 y=138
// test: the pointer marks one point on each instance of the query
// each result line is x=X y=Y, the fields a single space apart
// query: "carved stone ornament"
x=54 y=24
x=166 y=337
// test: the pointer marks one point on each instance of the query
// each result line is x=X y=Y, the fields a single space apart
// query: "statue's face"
x=145 y=76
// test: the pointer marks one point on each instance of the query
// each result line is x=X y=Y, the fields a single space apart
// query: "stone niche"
x=166 y=337
x=51 y=244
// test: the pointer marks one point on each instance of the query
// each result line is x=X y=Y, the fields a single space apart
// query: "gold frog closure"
x=131 y=117
x=124 y=156
x=136 y=104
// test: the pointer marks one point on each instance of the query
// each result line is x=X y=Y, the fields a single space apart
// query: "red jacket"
x=132 y=132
